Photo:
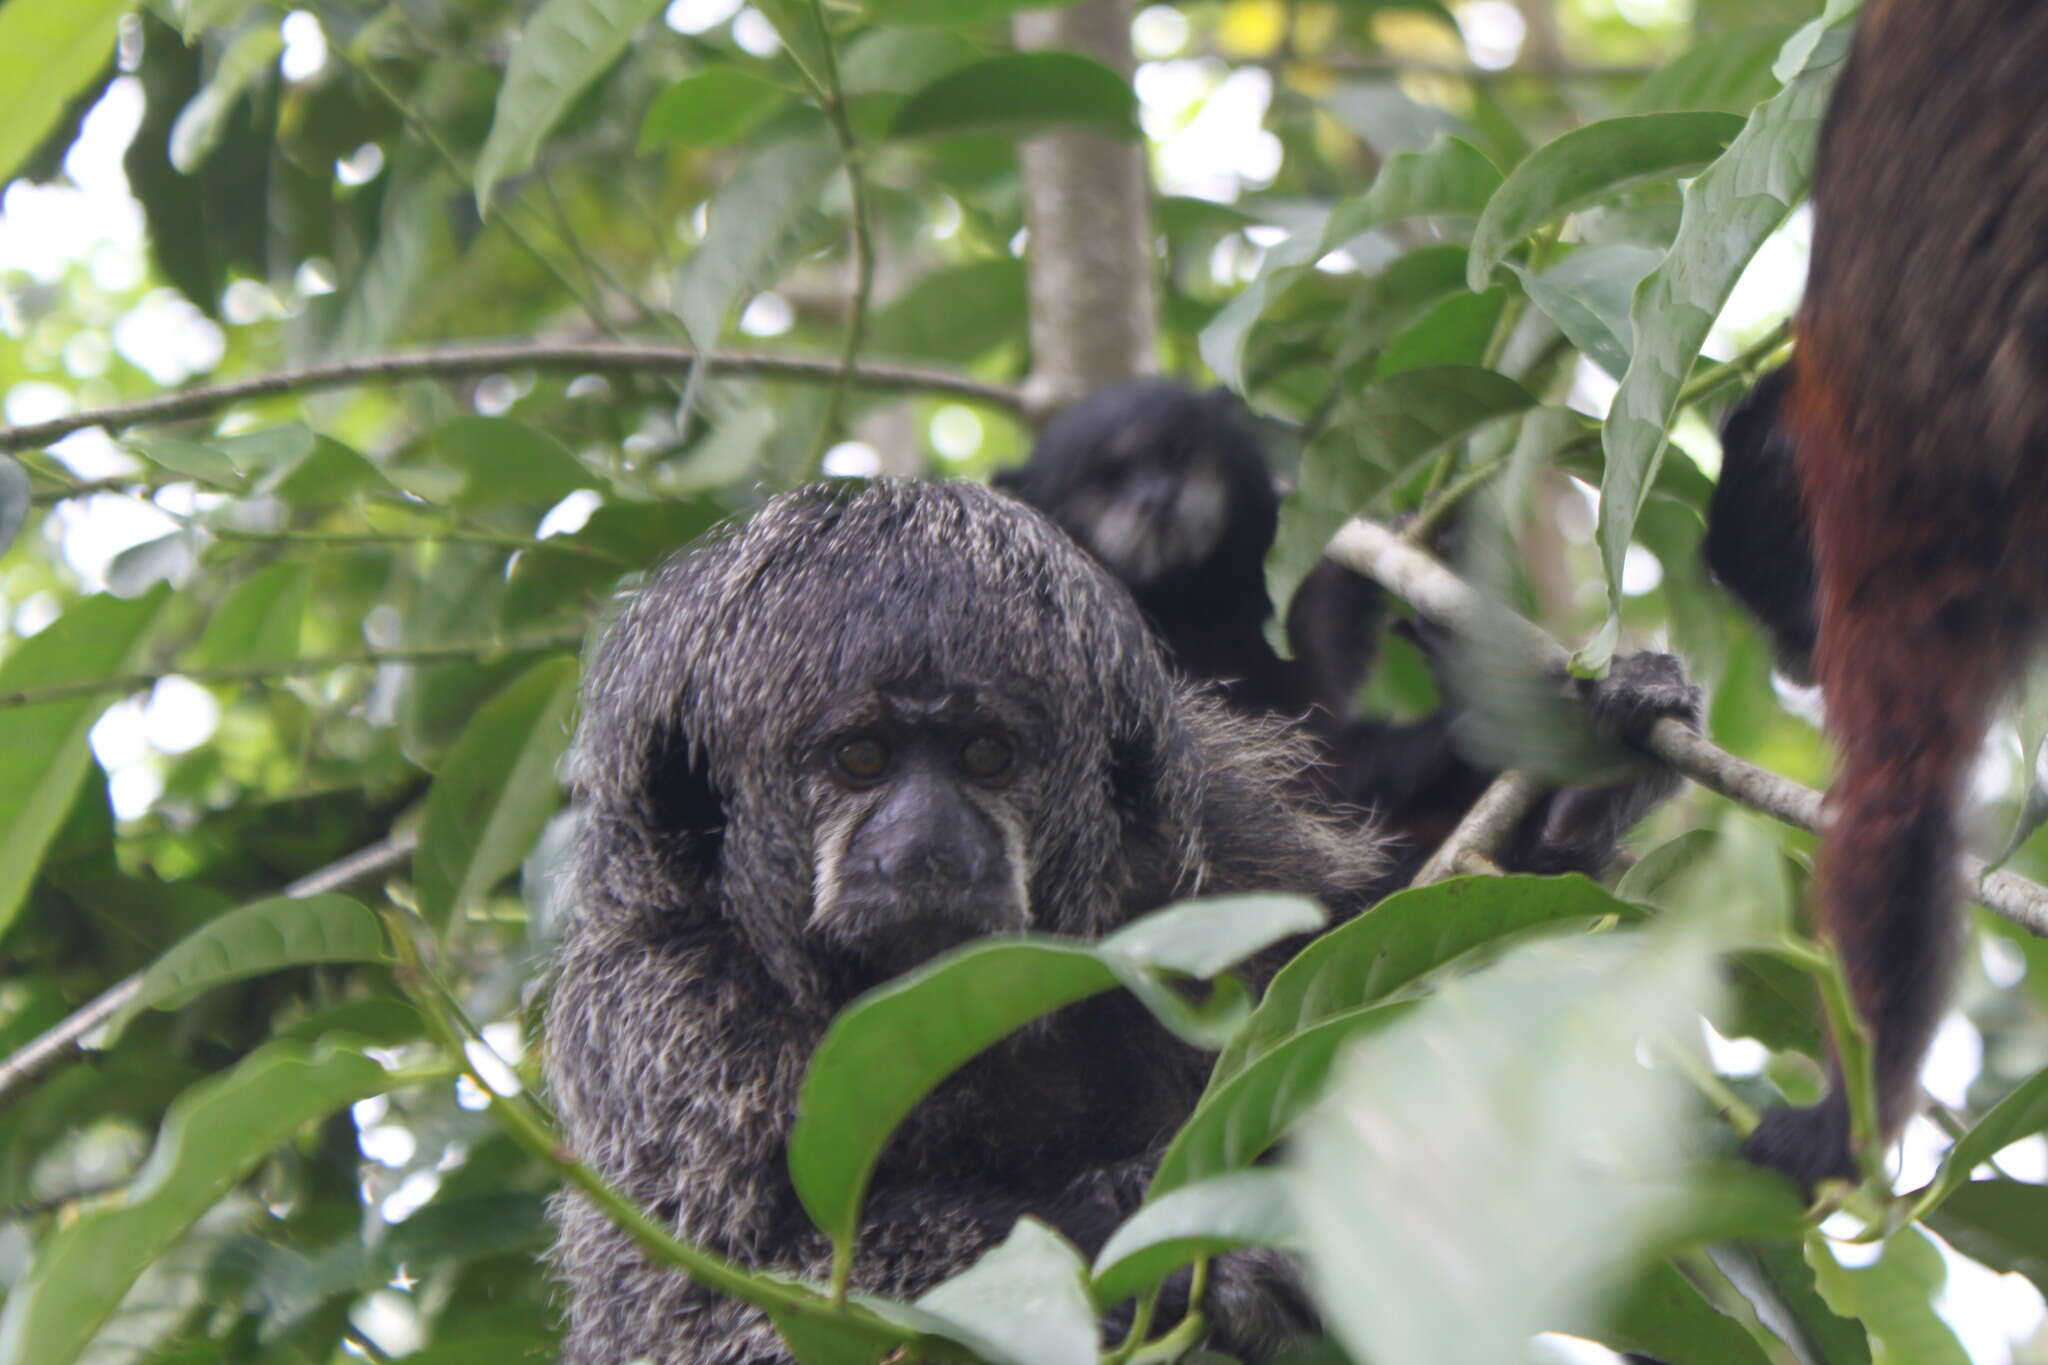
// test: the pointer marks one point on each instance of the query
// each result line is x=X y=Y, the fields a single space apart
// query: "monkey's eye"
x=863 y=760
x=985 y=757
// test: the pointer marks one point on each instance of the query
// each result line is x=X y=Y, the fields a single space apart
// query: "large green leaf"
x=713 y=108
x=566 y=45
x=893 y=1045
x=259 y=622
x=495 y=790
x=757 y=218
x=1024 y=1303
x=1405 y=938
x=203 y=120
x=49 y=50
x=1893 y=1297
x=213 y=1135
x=1241 y=1117
x=1729 y=210
x=1244 y=1208
x=1017 y=94
x=2003 y=1223
x=1503 y=1145
x=1587 y=294
x=264 y=937
x=1664 y=1313
x=1448 y=178
x=1591 y=163
x=479 y=461
x=1372 y=441
x=2020 y=1114
x=43 y=750
x=1730 y=72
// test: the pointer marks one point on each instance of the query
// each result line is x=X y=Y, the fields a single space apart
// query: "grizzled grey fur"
x=696 y=976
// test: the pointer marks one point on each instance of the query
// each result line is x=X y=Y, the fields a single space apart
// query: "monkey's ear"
x=685 y=805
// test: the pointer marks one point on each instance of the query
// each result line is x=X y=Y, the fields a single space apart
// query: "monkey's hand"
x=1638 y=691
x=1579 y=828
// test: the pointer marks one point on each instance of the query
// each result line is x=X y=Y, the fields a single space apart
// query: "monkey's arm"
x=1414 y=777
x=1578 y=829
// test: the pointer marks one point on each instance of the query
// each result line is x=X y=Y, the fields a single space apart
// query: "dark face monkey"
x=1169 y=490
x=868 y=725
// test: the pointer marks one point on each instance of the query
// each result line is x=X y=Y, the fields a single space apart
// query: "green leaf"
x=1017 y=94
x=2020 y=1114
x=565 y=46
x=1243 y=1209
x=2003 y=1223
x=494 y=791
x=1241 y=1117
x=1203 y=937
x=1448 y=178
x=259 y=621
x=1893 y=1297
x=205 y=117
x=1591 y=163
x=267 y=936
x=881 y=1056
x=498 y=459
x=714 y=108
x=1665 y=1315
x=49 y=51
x=47 y=755
x=212 y=1137
x=951 y=13
x=1729 y=210
x=1402 y=940
x=887 y=1050
x=758 y=219
x=16 y=496
x=1470 y=1154
x=1373 y=440
x=1588 y=295
x=1024 y=1303
x=193 y=459
x=1775 y=1273
x=1455 y=332
x=954 y=315
x=1730 y=72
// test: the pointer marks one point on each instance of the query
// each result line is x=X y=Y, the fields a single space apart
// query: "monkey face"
x=921 y=812
x=1147 y=517
x=878 y=720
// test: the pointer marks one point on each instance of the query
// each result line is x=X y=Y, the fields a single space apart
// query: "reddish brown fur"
x=1921 y=410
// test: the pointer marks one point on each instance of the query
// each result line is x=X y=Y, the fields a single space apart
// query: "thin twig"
x=60 y=1045
x=1486 y=826
x=452 y=362
x=1448 y=600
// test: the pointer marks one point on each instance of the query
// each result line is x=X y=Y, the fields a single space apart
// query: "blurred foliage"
x=238 y=648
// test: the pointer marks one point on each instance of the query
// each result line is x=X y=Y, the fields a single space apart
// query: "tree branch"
x=1448 y=600
x=457 y=361
x=60 y=1045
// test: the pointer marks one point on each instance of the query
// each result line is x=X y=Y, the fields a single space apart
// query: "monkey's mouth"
x=873 y=925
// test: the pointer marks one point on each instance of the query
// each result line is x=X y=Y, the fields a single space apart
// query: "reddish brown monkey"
x=1920 y=411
